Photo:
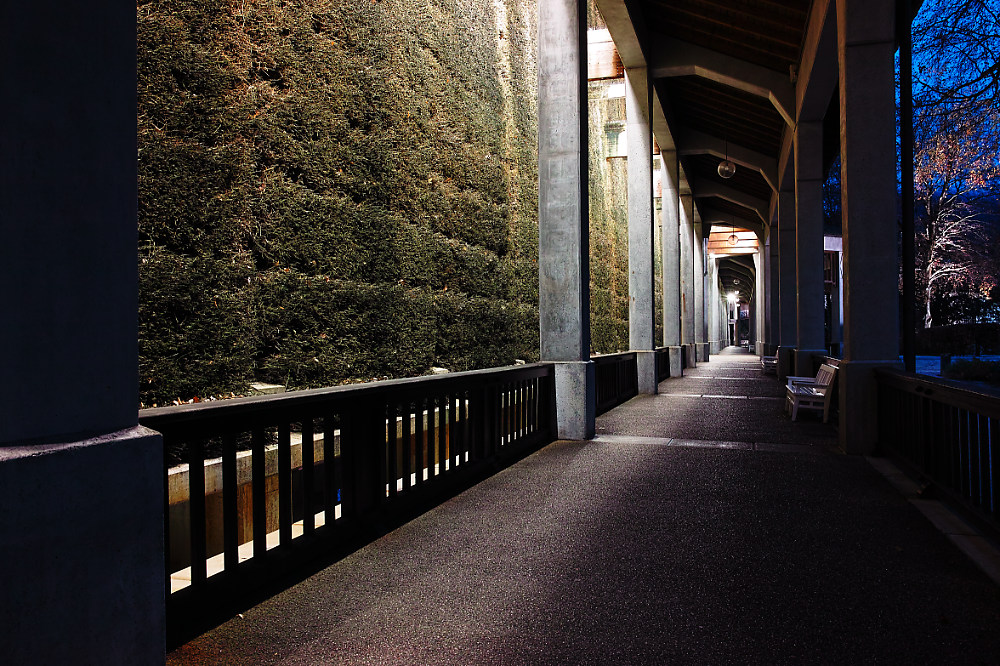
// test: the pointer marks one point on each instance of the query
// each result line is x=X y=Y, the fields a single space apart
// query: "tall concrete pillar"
x=81 y=483
x=671 y=260
x=563 y=238
x=809 y=244
x=701 y=346
x=787 y=340
x=641 y=286
x=712 y=307
x=773 y=286
x=759 y=310
x=687 y=279
x=865 y=49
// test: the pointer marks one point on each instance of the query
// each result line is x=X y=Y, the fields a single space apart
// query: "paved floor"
x=706 y=530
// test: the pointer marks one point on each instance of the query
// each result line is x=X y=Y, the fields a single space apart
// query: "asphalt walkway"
x=701 y=526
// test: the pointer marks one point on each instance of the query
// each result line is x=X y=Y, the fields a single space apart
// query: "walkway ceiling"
x=724 y=74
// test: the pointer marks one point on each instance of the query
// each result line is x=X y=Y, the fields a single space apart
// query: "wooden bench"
x=811 y=392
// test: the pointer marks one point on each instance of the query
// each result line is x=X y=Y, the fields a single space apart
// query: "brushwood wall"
x=333 y=190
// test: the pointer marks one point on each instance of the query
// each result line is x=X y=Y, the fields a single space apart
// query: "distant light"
x=727 y=169
x=616 y=90
x=733 y=239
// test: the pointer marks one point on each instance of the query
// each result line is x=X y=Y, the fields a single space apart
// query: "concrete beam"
x=674 y=57
x=627 y=40
x=693 y=142
x=715 y=218
x=707 y=188
x=816 y=79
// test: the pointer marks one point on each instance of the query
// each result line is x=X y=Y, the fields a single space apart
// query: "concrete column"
x=671 y=261
x=712 y=306
x=809 y=244
x=701 y=348
x=787 y=340
x=865 y=50
x=835 y=245
x=641 y=286
x=758 y=297
x=81 y=484
x=773 y=286
x=563 y=238
x=687 y=279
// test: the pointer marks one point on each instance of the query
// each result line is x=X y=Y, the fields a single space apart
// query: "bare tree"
x=955 y=175
x=956 y=44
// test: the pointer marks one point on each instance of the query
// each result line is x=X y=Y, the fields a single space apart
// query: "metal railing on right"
x=617 y=379
x=945 y=431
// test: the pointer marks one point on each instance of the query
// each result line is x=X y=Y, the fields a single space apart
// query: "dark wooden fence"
x=617 y=379
x=662 y=363
x=273 y=481
x=945 y=432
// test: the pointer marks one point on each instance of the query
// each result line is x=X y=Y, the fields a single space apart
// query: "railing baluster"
x=392 y=449
x=331 y=462
x=258 y=474
x=308 y=476
x=443 y=432
x=433 y=462
x=453 y=437
x=407 y=447
x=230 y=505
x=196 y=499
x=284 y=483
x=419 y=438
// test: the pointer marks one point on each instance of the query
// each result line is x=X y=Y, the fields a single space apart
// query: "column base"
x=786 y=361
x=645 y=361
x=703 y=351
x=691 y=355
x=81 y=566
x=858 y=393
x=576 y=399
x=674 y=356
x=804 y=366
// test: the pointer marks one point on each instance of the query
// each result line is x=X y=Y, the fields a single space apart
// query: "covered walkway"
x=703 y=529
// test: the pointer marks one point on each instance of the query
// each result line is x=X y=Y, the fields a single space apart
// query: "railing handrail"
x=258 y=406
x=948 y=391
x=613 y=358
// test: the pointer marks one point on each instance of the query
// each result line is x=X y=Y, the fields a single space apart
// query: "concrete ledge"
x=81 y=567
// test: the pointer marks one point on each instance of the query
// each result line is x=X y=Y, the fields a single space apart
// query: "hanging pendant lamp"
x=733 y=238
x=727 y=169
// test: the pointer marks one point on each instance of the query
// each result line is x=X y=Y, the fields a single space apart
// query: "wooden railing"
x=617 y=379
x=284 y=478
x=944 y=431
